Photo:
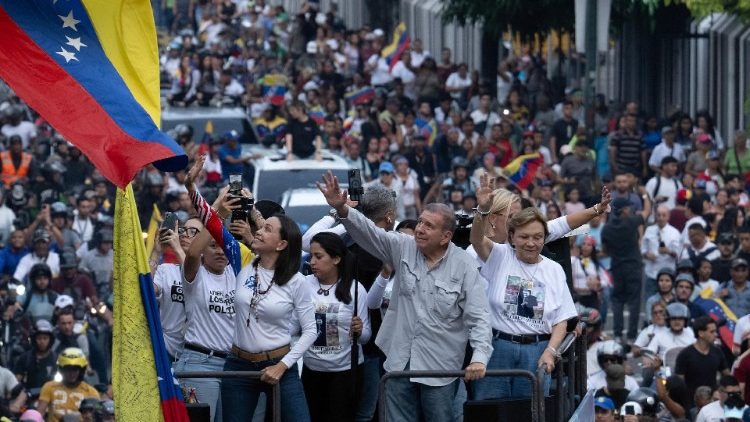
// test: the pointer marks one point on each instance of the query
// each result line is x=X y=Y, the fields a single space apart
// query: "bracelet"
x=596 y=209
x=480 y=212
x=554 y=351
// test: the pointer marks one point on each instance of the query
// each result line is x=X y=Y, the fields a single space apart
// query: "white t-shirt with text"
x=209 y=307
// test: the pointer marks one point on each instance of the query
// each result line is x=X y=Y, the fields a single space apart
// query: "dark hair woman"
x=327 y=374
x=269 y=293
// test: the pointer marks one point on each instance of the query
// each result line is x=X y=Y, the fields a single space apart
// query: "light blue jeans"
x=509 y=355
x=411 y=401
x=208 y=390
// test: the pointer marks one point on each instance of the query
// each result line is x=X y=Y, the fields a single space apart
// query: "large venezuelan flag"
x=139 y=371
x=90 y=68
x=522 y=170
x=399 y=44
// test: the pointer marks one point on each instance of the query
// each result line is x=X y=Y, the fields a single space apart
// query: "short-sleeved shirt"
x=698 y=161
x=35 y=372
x=629 y=147
x=525 y=298
x=228 y=168
x=738 y=300
x=303 y=137
x=63 y=400
x=699 y=369
x=563 y=131
x=620 y=235
x=731 y=160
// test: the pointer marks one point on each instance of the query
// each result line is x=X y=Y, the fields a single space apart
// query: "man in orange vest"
x=16 y=164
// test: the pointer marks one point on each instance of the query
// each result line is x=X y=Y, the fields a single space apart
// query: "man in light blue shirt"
x=437 y=304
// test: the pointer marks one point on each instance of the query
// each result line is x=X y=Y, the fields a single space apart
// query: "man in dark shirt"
x=699 y=363
x=447 y=148
x=36 y=366
x=626 y=150
x=422 y=161
x=721 y=266
x=620 y=241
x=562 y=130
x=303 y=135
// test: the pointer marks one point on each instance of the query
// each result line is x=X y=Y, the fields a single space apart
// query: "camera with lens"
x=235 y=191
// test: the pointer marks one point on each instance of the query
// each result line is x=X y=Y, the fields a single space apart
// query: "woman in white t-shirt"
x=208 y=286
x=409 y=190
x=327 y=373
x=529 y=299
x=587 y=274
x=269 y=290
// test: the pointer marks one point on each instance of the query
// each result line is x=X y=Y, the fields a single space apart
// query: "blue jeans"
x=406 y=401
x=208 y=390
x=509 y=355
x=240 y=395
x=368 y=400
x=650 y=287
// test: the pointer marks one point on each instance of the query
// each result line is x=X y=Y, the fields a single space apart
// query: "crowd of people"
x=381 y=284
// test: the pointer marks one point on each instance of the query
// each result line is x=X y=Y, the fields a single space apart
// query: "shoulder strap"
x=737 y=160
x=658 y=185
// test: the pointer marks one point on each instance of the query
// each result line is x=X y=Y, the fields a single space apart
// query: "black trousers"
x=331 y=396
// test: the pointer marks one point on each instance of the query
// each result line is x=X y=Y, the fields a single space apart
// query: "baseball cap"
x=700 y=184
x=40 y=235
x=604 y=403
x=311 y=48
x=386 y=167
x=667 y=129
x=738 y=262
x=63 y=301
x=703 y=138
x=683 y=195
x=726 y=238
x=378 y=32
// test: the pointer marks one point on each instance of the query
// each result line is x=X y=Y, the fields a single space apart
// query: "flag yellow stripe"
x=153 y=228
x=390 y=48
x=127 y=34
x=133 y=368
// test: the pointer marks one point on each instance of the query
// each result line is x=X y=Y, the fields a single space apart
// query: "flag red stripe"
x=70 y=109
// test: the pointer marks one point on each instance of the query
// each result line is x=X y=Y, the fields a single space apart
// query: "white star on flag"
x=75 y=43
x=68 y=55
x=69 y=21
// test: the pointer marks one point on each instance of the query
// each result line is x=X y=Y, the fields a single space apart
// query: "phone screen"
x=630 y=409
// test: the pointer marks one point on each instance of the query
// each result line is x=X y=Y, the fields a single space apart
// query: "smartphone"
x=629 y=409
x=355 y=185
x=169 y=221
x=235 y=184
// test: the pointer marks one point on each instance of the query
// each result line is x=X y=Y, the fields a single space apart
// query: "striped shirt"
x=628 y=150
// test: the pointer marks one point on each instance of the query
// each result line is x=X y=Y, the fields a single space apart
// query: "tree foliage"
x=525 y=17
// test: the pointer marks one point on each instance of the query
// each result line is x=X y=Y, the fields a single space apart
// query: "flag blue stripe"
x=93 y=70
x=167 y=388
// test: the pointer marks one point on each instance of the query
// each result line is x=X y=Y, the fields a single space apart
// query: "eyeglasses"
x=188 y=232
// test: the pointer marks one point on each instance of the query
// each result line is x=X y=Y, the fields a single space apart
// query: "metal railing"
x=275 y=390
x=537 y=393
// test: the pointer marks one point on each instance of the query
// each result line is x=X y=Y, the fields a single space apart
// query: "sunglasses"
x=188 y=232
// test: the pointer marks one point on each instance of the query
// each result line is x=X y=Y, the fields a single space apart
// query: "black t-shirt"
x=563 y=131
x=620 y=235
x=720 y=269
x=303 y=137
x=36 y=371
x=699 y=369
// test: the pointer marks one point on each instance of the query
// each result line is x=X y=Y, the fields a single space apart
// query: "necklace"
x=258 y=295
x=325 y=292
x=536 y=268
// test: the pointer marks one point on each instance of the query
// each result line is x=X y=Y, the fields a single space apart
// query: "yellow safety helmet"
x=72 y=356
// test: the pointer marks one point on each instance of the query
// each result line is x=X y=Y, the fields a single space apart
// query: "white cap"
x=63 y=301
x=312 y=48
x=333 y=44
x=378 y=32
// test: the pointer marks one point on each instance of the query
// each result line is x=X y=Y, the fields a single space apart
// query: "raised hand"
x=485 y=193
x=194 y=172
x=224 y=204
x=331 y=190
x=606 y=199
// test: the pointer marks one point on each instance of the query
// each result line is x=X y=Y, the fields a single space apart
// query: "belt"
x=520 y=338
x=205 y=351
x=260 y=356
